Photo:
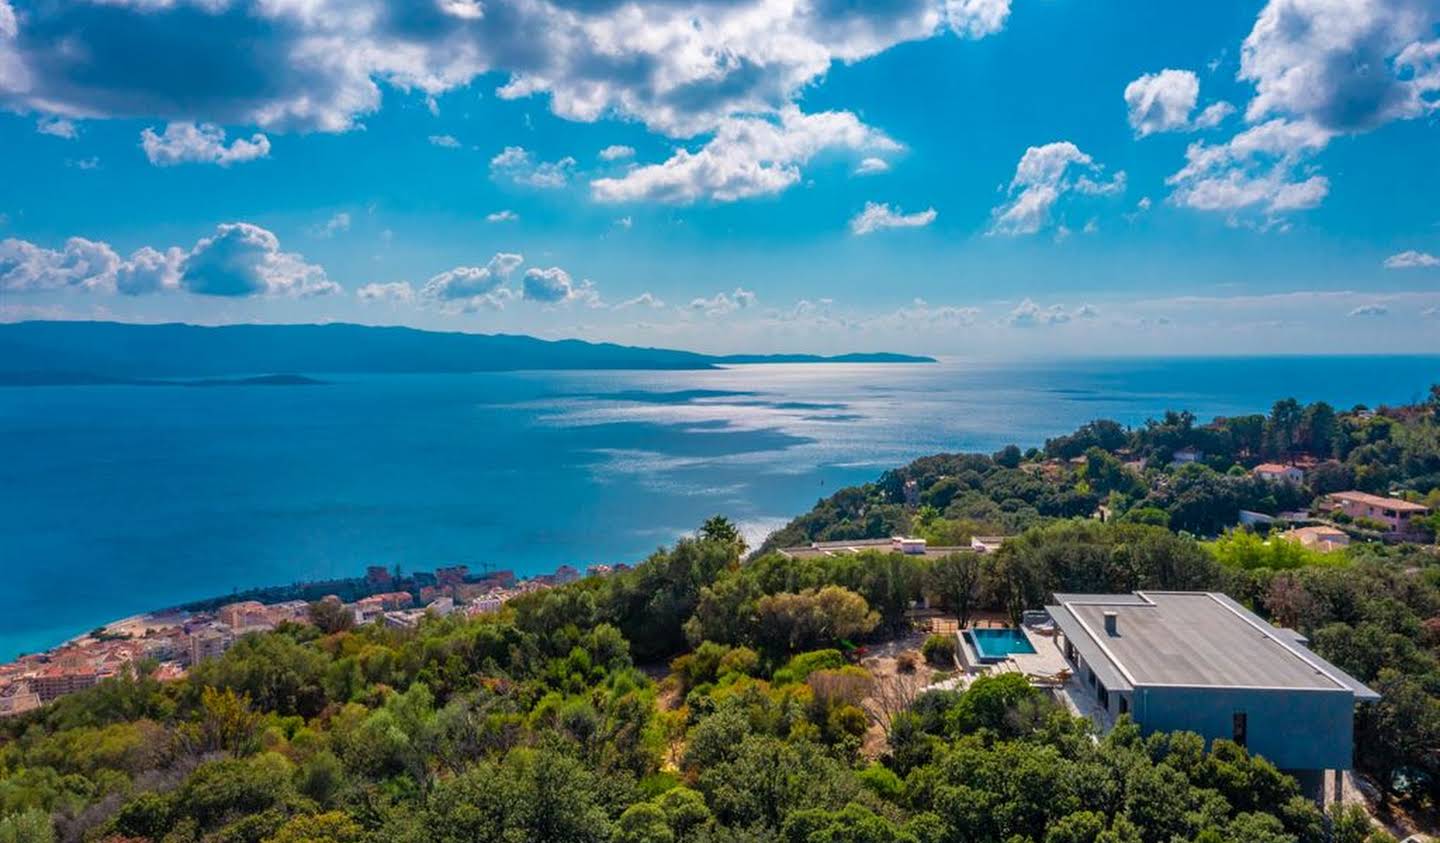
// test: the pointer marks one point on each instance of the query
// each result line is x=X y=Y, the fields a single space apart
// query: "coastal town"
x=170 y=642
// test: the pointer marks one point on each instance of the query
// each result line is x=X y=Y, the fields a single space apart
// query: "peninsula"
x=31 y=353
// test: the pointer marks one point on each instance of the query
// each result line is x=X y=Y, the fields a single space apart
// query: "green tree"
x=955 y=577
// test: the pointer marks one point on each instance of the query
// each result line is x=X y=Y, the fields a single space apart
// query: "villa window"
x=1239 y=727
x=1124 y=705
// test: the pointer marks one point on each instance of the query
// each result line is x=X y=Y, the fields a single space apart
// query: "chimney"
x=1110 y=624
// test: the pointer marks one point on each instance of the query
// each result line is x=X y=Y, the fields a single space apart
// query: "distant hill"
x=108 y=352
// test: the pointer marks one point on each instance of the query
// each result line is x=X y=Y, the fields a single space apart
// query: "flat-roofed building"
x=897 y=544
x=1200 y=662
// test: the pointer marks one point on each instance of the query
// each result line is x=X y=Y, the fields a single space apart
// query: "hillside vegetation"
x=703 y=698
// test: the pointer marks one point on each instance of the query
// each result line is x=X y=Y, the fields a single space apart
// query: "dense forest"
x=707 y=695
x=1133 y=474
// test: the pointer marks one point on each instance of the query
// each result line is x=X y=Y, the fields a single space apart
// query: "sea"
x=116 y=500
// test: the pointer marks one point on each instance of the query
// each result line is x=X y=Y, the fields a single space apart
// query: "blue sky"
x=965 y=177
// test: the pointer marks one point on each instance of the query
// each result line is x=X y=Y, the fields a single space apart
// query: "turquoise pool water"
x=998 y=644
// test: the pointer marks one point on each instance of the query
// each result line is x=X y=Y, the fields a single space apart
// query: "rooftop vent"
x=1111 y=620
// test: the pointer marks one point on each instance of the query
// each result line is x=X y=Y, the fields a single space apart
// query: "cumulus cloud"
x=1370 y=310
x=1164 y=101
x=554 y=286
x=646 y=300
x=519 y=165
x=877 y=216
x=1346 y=70
x=747 y=157
x=1264 y=167
x=1028 y=314
x=150 y=271
x=976 y=18
x=1319 y=71
x=239 y=259
x=685 y=70
x=447 y=141
x=1411 y=259
x=616 y=152
x=188 y=143
x=395 y=291
x=80 y=263
x=1044 y=175
x=676 y=67
x=504 y=215
x=473 y=287
x=722 y=304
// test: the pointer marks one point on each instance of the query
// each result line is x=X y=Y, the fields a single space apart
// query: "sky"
x=980 y=178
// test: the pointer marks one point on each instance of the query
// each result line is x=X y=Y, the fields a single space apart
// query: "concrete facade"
x=1200 y=662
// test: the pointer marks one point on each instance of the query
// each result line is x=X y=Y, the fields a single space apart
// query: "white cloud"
x=872 y=166
x=747 y=157
x=473 y=287
x=1263 y=167
x=554 y=286
x=616 y=152
x=722 y=304
x=1320 y=69
x=976 y=18
x=333 y=226
x=1411 y=259
x=677 y=68
x=505 y=215
x=80 y=263
x=1028 y=314
x=1043 y=176
x=1346 y=67
x=58 y=127
x=1370 y=310
x=447 y=141
x=150 y=271
x=241 y=259
x=519 y=165
x=188 y=143
x=395 y=291
x=646 y=300
x=91 y=163
x=624 y=222
x=1164 y=101
x=877 y=216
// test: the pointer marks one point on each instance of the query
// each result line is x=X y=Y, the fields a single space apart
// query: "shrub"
x=799 y=668
x=939 y=649
x=907 y=661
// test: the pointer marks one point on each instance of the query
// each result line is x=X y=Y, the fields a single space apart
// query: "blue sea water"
x=119 y=499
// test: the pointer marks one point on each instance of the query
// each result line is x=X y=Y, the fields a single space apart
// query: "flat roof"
x=845 y=548
x=1192 y=639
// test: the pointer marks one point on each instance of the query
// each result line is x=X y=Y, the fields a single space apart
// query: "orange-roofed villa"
x=1394 y=513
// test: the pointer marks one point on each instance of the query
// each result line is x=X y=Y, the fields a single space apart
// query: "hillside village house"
x=1277 y=473
x=1321 y=538
x=1200 y=662
x=1394 y=513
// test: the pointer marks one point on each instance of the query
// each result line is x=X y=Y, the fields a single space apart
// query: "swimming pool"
x=994 y=645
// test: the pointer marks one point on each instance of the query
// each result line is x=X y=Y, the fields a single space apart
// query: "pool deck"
x=1046 y=668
